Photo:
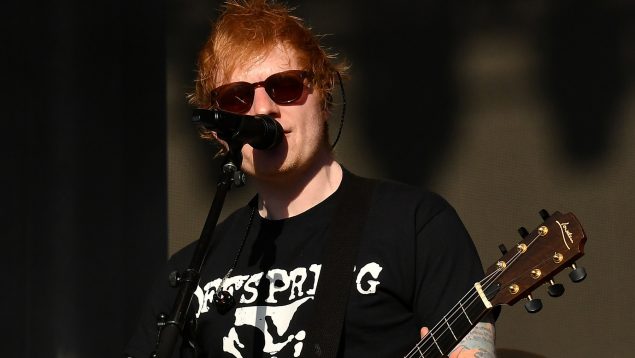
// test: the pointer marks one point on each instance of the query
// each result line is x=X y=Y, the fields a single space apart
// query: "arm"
x=479 y=343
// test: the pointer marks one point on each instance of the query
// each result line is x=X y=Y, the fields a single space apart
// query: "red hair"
x=246 y=31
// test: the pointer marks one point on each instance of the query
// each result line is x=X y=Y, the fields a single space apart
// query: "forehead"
x=280 y=58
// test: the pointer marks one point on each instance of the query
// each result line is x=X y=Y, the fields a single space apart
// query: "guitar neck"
x=547 y=250
x=455 y=325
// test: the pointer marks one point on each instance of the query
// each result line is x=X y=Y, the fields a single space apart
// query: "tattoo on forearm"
x=479 y=342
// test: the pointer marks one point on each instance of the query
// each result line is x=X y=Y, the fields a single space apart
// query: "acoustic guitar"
x=550 y=248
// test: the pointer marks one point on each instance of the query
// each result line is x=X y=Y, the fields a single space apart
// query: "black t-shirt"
x=415 y=261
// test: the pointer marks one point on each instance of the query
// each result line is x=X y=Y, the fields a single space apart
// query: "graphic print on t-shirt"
x=269 y=301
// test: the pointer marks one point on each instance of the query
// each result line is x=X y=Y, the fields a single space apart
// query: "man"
x=260 y=285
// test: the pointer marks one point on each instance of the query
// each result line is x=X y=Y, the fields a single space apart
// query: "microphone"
x=260 y=131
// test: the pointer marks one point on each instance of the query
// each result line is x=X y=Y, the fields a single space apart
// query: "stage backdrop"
x=83 y=179
x=504 y=108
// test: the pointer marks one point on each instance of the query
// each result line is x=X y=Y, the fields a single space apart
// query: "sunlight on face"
x=304 y=145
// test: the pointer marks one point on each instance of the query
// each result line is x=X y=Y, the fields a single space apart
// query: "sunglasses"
x=283 y=88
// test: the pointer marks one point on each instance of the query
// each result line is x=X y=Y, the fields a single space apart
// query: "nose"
x=263 y=104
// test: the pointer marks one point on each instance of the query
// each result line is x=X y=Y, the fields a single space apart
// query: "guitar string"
x=486 y=284
x=429 y=339
x=454 y=312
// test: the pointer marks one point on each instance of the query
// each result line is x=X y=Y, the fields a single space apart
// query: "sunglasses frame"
x=250 y=89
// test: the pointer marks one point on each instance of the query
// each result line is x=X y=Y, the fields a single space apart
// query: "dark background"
x=504 y=107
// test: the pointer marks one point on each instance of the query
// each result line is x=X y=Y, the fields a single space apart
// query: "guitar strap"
x=336 y=276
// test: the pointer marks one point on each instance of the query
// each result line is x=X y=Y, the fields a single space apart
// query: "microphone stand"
x=176 y=323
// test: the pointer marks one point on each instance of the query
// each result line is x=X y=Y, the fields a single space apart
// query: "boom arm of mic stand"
x=175 y=322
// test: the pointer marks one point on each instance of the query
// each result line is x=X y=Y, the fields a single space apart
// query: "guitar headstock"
x=542 y=253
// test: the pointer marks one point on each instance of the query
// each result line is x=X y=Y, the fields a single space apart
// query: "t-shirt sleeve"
x=447 y=262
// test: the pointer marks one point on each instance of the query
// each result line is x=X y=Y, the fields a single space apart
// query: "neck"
x=296 y=193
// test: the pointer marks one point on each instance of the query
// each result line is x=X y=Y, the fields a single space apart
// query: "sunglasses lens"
x=234 y=97
x=285 y=87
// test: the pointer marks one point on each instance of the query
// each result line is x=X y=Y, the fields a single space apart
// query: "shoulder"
x=410 y=194
x=393 y=196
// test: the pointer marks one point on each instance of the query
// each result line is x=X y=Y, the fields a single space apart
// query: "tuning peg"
x=555 y=289
x=502 y=248
x=544 y=214
x=578 y=274
x=533 y=305
x=523 y=232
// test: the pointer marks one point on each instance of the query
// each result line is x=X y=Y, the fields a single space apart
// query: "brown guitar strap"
x=336 y=276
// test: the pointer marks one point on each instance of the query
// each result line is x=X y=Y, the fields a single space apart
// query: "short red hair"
x=247 y=30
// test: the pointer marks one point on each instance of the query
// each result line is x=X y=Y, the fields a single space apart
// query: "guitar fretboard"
x=455 y=325
x=542 y=253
